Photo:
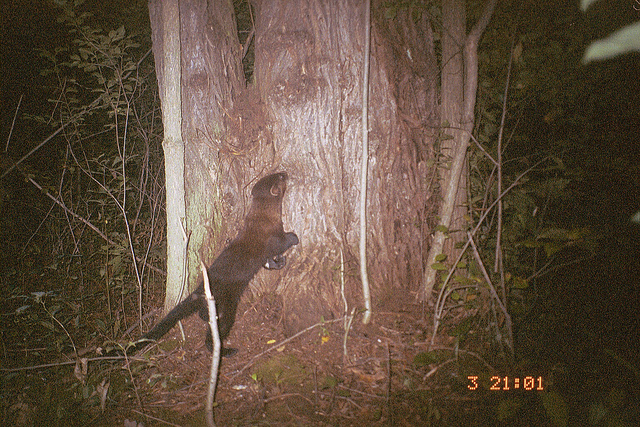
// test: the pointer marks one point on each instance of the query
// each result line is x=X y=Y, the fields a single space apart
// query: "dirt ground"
x=389 y=376
x=386 y=378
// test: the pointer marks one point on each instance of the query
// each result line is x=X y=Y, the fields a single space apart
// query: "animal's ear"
x=275 y=190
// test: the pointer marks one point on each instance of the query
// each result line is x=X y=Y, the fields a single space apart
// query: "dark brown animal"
x=261 y=243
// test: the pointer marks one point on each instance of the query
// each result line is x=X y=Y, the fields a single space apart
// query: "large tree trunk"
x=212 y=78
x=309 y=59
x=302 y=115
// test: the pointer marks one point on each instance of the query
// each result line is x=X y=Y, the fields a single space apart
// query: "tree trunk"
x=211 y=79
x=459 y=86
x=166 y=45
x=454 y=19
x=451 y=87
x=303 y=115
x=308 y=68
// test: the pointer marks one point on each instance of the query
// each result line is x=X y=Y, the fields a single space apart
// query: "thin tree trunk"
x=166 y=45
x=460 y=83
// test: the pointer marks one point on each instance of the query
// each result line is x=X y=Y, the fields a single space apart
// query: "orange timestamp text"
x=508 y=383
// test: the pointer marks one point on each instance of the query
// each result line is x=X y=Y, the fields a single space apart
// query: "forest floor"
x=390 y=375
x=387 y=378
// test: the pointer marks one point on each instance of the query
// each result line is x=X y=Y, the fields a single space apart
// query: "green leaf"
x=48 y=325
x=21 y=310
x=551 y=248
x=554 y=234
x=118 y=34
x=597 y=412
x=531 y=244
x=519 y=283
x=390 y=12
x=84 y=53
x=441 y=228
x=584 y=4
x=37 y=296
x=508 y=408
x=426 y=358
x=463 y=328
x=438 y=266
x=329 y=382
x=463 y=280
x=622 y=41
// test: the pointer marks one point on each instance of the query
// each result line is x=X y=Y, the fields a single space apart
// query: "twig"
x=49 y=138
x=436 y=319
x=315 y=385
x=6 y=148
x=215 y=356
x=388 y=387
x=470 y=353
x=78 y=116
x=544 y=270
x=155 y=419
x=347 y=319
x=127 y=366
x=73 y=362
x=75 y=350
x=248 y=42
x=86 y=222
x=501 y=303
x=364 y=276
x=135 y=325
x=347 y=328
x=45 y=366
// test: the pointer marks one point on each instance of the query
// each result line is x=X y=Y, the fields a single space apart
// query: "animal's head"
x=270 y=187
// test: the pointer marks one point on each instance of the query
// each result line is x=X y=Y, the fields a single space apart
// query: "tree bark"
x=302 y=115
x=211 y=79
x=309 y=58
x=166 y=45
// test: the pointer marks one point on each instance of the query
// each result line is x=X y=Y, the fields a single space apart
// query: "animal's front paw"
x=276 y=263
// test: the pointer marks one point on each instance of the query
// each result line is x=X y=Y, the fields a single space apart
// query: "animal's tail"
x=185 y=308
